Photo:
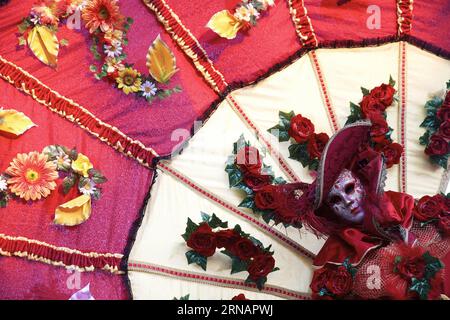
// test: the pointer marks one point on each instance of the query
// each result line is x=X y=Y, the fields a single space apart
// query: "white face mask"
x=345 y=197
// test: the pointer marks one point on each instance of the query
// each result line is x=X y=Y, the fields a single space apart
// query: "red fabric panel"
x=151 y=124
x=349 y=21
x=23 y=279
x=250 y=54
x=112 y=215
x=431 y=22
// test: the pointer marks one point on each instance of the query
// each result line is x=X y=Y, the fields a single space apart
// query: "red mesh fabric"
x=427 y=237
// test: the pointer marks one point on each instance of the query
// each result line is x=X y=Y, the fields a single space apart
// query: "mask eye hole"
x=335 y=200
x=350 y=188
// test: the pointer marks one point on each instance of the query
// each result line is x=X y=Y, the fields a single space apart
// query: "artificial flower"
x=252 y=11
x=129 y=80
x=44 y=13
x=379 y=129
x=103 y=14
x=444 y=225
x=428 y=208
x=301 y=128
x=444 y=129
x=244 y=249
x=226 y=238
x=88 y=188
x=82 y=165
x=113 y=50
x=58 y=155
x=148 y=89
x=392 y=152
x=256 y=181
x=249 y=160
x=113 y=65
x=3 y=184
x=113 y=36
x=240 y=296
x=266 y=197
x=371 y=107
x=32 y=176
x=261 y=266
x=384 y=94
x=331 y=282
x=243 y=13
x=316 y=144
x=203 y=240
x=437 y=146
x=443 y=113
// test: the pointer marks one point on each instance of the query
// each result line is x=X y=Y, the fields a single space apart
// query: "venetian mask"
x=345 y=197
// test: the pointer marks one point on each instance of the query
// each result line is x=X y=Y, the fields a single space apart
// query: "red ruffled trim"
x=188 y=43
x=59 y=256
x=405 y=16
x=75 y=113
x=302 y=23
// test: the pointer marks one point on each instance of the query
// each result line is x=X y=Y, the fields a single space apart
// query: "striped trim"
x=188 y=43
x=324 y=91
x=75 y=113
x=403 y=115
x=231 y=208
x=214 y=280
x=59 y=256
x=285 y=167
x=302 y=23
x=404 y=16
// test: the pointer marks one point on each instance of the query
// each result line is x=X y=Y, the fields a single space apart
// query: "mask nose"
x=348 y=201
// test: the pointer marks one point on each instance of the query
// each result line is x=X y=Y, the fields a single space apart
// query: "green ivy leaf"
x=238 y=265
x=425 y=138
x=280 y=132
x=440 y=160
x=433 y=265
x=365 y=91
x=64 y=42
x=186 y=297
x=285 y=119
x=391 y=81
x=235 y=177
x=205 y=216
x=299 y=152
x=422 y=287
x=73 y=154
x=68 y=183
x=244 y=187
x=194 y=257
x=267 y=216
x=430 y=122
x=248 y=202
x=190 y=227
x=314 y=164
x=355 y=113
x=215 y=222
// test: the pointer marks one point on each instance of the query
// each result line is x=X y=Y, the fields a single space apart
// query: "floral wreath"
x=108 y=30
x=373 y=107
x=246 y=252
x=308 y=145
x=437 y=124
x=245 y=16
x=32 y=176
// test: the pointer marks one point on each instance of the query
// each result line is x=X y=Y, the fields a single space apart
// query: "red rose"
x=436 y=287
x=444 y=129
x=239 y=297
x=443 y=113
x=261 y=266
x=428 y=208
x=384 y=94
x=301 y=128
x=249 y=160
x=437 y=146
x=320 y=279
x=341 y=282
x=379 y=129
x=289 y=204
x=392 y=152
x=226 y=238
x=444 y=225
x=203 y=240
x=411 y=267
x=244 y=249
x=316 y=144
x=257 y=181
x=371 y=107
x=266 y=197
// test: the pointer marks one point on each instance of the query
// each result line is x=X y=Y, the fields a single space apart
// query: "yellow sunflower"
x=129 y=80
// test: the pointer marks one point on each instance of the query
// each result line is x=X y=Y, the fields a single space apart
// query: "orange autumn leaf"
x=224 y=24
x=44 y=44
x=14 y=122
x=74 y=212
x=161 y=62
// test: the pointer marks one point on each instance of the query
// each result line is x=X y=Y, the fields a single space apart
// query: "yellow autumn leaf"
x=74 y=212
x=14 y=122
x=224 y=24
x=44 y=44
x=161 y=62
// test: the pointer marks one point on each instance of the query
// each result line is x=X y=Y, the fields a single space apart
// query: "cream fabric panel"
x=347 y=70
x=156 y=287
x=205 y=158
x=294 y=88
x=427 y=76
x=159 y=241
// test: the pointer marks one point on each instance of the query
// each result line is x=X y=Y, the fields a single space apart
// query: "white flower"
x=242 y=13
x=253 y=11
x=114 y=50
x=35 y=19
x=89 y=188
x=58 y=156
x=267 y=3
x=3 y=184
x=148 y=89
